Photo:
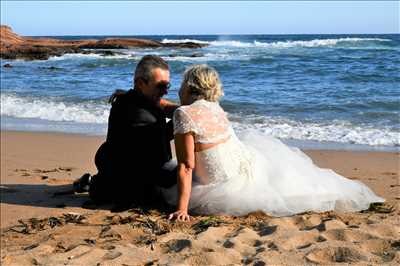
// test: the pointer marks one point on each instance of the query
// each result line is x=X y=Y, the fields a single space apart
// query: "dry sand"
x=39 y=229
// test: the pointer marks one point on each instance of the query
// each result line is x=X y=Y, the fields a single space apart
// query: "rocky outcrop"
x=14 y=46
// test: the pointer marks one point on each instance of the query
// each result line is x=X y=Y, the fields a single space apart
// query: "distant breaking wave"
x=97 y=112
x=136 y=54
x=285 y=44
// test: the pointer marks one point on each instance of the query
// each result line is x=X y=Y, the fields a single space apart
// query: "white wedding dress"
x=258 y=173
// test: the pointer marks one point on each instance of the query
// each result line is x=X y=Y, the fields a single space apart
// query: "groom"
x=135 y=158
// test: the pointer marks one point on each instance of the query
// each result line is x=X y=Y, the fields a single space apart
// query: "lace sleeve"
x=183 y=123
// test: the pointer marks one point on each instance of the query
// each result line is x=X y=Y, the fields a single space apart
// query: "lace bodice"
x=207 y=120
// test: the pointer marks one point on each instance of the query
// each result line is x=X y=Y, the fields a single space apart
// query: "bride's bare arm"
x=168 y=107
x=184 y=144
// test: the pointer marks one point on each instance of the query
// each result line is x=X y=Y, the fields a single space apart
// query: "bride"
x=218 y=173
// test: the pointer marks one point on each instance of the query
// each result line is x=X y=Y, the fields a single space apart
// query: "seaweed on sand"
x=210 y=221
x=380 y=207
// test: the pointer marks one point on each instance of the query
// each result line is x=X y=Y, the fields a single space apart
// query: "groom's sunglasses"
x=163 y=86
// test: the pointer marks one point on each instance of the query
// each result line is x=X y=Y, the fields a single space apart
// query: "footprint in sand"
x=299 y=240
x=330 y=255
x=346 y=235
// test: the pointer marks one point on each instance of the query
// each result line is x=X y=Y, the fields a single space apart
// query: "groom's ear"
x=140 y=83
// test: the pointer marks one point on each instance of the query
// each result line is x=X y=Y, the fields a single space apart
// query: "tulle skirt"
x=283 y=181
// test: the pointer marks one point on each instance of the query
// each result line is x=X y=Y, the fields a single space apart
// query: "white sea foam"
x=88 y=112
x=335 y=131
x=284 y=44
x=98 y=112
x=92 y=56
x=183 y=40
x=316 y=42
x=168 y=57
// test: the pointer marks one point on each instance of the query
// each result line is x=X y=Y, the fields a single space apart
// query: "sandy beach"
x=38 y=228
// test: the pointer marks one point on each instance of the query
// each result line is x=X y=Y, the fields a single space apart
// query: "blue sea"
x=311 y=91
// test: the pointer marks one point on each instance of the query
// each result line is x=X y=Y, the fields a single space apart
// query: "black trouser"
x=131 y=186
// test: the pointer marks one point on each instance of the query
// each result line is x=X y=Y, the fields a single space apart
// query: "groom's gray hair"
x=146 y=65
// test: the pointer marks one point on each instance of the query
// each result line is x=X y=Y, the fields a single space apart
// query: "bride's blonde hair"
x=203 y=82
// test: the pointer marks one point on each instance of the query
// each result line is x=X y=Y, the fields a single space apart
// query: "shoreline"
x=308 y=145
x=61 y=230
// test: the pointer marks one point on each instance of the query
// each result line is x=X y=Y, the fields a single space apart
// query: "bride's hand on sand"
x=180 y=216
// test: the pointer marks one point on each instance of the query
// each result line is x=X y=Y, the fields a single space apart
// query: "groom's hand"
x=180 y=216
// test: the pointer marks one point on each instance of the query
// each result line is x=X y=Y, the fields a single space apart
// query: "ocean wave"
x=135 y=54
x=317 y=42
x=47 y=109
x=97 y=112
x=137 y=57
x=284 y=44
x=336 y=131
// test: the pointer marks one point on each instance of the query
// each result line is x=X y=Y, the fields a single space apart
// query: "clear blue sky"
x=179 y=17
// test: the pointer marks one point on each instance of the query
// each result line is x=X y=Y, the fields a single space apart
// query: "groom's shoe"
x=82 y=184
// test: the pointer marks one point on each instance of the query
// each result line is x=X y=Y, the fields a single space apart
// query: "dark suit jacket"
x=138 y=140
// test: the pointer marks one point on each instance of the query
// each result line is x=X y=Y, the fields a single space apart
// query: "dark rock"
x=185 y=45
x=7 y=65
x=103 y=46
x=14 y=46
